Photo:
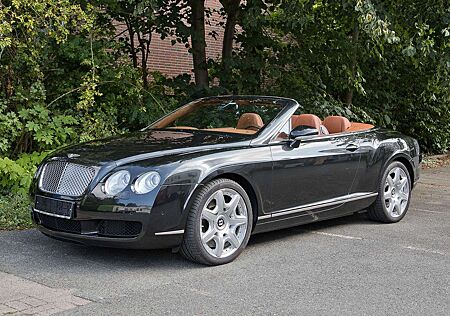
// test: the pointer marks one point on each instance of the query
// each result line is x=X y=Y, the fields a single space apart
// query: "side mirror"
x=300 y=132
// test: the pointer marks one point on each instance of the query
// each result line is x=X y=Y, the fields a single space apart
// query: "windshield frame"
x=286 y=105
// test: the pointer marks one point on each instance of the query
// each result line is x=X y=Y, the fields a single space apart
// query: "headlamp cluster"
x=119 y=180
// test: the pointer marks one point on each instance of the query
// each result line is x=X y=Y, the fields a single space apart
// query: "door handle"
x=352 y=147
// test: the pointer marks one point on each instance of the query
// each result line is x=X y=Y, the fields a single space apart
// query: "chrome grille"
x=65 y=178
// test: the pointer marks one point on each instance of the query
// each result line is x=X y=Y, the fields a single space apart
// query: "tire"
x=219 y=223
x=394 y=195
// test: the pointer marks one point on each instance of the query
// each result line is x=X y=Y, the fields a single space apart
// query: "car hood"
x=147 y=144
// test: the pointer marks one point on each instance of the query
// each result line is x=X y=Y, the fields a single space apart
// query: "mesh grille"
x=103 y=228
x=111 y=228
x=60 y=224
x=66 y=178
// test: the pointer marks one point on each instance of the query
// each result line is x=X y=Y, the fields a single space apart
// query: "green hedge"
x=15 y=212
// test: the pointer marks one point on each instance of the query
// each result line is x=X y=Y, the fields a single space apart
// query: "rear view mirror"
x=300 y=132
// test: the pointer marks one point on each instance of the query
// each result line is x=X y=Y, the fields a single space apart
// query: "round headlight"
x=147 y=182
x=117 y=182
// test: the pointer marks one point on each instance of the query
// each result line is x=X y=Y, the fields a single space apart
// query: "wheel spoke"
x=238 y=221
x=208 y=215
x=403 y=183
x=234 y=241
x=220 y=201
x=387 y=195
x=391 y=206
x=397 y=175
x=398 y=206
x=208 y=235
x=403 y=196
x=232 y=205
x=394 y=210
x=390 y=182
x=219 y=240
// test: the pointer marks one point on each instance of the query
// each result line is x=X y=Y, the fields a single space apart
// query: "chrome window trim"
x=316 y=205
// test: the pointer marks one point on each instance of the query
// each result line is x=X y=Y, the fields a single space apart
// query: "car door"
x=321 y=168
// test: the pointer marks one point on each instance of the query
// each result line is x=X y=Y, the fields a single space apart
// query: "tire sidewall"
x=203 y=197
x=391 y=166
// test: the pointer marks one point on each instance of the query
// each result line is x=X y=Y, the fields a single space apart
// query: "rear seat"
x=340 y=124
x=336 y=124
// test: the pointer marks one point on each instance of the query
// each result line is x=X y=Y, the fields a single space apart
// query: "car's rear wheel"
x=219 y=223
x=394 y=195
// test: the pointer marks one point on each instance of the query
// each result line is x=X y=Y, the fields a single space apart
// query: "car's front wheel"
x=394 y=195
x=219 y=223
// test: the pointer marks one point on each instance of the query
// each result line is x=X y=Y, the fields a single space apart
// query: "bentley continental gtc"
x=204 y=178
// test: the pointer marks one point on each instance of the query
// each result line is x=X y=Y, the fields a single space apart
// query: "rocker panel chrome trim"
x=312 y=206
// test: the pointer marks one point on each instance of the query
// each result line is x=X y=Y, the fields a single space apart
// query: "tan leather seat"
x=336 y=124
x=250 y=121
x=310 y=120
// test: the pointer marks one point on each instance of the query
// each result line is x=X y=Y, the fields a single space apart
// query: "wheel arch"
x=407 y=164
x=405 y=160
x=245 y=183
x=247 y=186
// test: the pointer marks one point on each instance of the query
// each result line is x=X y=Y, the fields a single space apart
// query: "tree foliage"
x=380 y=61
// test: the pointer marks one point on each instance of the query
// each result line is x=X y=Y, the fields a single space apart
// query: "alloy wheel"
x=224 y=223
x=396 y=192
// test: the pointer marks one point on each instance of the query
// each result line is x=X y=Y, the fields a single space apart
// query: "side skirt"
x=313 y=212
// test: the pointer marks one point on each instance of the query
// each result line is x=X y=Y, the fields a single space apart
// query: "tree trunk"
x=231 y=8
x=144 y=44
x=199 y=43
x=348 y=99
x=131 y=33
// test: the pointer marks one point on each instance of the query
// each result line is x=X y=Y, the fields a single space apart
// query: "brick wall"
x=172 y=60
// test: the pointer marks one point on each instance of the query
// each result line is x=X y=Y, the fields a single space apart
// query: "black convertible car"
x=205 y=177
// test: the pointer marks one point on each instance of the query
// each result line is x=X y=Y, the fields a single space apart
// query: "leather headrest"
x=250 y=121
x=310 y=120
x=336 y=124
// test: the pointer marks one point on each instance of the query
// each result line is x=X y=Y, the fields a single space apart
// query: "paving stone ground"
x=346 y=266
x=24 y=297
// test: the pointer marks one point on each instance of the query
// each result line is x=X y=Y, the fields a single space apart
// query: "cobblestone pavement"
x=347 y=266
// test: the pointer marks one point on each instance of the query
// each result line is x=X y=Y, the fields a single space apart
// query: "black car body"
x=321 y=177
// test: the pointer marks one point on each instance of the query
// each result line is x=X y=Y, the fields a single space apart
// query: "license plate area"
x=54 y=207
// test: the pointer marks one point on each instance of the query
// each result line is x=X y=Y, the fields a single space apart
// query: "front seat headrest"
x=310 y=120
x=336 y=124
x=250 y=121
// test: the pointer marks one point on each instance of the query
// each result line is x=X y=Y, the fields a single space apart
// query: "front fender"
x=251 y=167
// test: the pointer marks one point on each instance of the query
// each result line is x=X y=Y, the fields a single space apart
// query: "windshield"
x=239 y=116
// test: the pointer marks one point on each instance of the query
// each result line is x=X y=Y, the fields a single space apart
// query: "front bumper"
x=153 y=221
x=134 y=230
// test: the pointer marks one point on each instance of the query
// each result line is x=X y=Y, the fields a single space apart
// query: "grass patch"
x=15 y=212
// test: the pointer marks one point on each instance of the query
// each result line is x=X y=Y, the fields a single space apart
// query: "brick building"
x=172 y=60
